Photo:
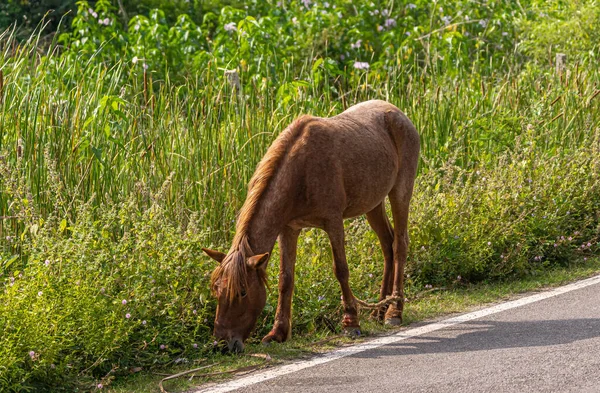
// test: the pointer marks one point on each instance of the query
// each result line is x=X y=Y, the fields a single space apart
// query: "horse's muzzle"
x=235 y=345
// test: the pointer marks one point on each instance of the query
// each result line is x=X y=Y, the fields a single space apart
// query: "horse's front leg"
x=335 y=231
x=282 y=328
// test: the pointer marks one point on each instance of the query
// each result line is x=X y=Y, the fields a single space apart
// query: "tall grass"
x=112 y=180
x=108 y=128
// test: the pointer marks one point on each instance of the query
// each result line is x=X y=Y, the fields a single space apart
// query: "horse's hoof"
x=393 y=321
x=352 y=331
x=269 y=338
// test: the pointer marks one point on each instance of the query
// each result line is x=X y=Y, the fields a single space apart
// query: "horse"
x=318 y=172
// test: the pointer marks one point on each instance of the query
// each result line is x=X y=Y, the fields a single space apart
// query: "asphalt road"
x=550 y=345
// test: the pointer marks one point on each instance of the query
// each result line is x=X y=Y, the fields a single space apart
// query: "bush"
x=562 y=27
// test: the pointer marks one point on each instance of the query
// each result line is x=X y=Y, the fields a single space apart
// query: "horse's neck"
x=268 y=220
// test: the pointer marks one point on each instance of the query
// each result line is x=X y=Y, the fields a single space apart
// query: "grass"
x=106 y=129
x=430 y=307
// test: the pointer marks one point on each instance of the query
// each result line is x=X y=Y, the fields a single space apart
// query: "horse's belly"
x=372 y=179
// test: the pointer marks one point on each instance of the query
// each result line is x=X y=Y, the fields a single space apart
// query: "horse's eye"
x=243 y=294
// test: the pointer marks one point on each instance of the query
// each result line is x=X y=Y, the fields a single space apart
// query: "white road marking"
x=402 y=335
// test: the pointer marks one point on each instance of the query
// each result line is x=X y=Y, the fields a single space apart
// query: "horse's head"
x=239 y=283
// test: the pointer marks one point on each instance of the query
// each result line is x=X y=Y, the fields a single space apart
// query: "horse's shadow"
x=484 y=335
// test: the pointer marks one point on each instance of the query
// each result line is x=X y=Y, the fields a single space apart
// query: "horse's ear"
x=258 y=261
x=216 y=255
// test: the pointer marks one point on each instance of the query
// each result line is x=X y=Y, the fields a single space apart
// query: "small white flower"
x=411 y=6
x=134 y=60
x=232 y=26
x=361 y=65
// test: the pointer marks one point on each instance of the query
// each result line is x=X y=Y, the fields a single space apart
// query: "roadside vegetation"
x=126 y=144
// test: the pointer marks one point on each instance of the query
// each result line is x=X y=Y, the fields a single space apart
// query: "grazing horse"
x=316 y=173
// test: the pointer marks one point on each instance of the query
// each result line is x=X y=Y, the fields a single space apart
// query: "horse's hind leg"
x=400 y=200
x=381 y=225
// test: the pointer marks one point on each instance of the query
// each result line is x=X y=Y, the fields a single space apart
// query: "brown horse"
x=316 y=173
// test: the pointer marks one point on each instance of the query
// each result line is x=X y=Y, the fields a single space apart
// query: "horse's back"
x=353 y=159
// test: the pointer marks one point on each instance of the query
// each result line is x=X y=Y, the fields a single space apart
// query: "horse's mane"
x=232 y=270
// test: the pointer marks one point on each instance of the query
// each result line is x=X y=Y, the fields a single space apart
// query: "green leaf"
x=300 y=84
x=87 y=122
x=10 y=261
x=98 y=154
x=317 y=64
x=63 y=225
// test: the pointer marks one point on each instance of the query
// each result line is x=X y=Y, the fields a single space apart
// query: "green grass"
x=430 y=307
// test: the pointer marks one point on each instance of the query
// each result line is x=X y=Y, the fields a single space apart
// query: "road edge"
x=392 y=338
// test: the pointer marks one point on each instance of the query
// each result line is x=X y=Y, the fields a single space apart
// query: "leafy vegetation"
x=127 y=144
